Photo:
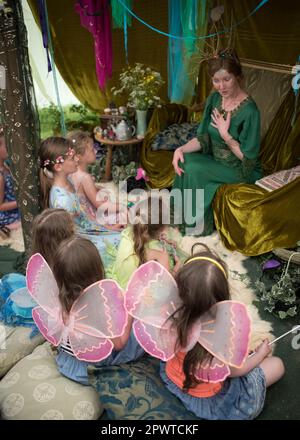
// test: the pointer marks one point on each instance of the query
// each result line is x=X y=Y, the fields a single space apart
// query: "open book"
x=279 y=179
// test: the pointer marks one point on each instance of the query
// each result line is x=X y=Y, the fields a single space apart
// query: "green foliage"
x=279 y=290
x=77 y=117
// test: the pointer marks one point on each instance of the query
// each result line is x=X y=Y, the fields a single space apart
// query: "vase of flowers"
x=141 y=84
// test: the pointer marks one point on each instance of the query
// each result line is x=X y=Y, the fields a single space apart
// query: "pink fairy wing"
x=41 y=283
x=91 y=348
x=151 y=298
x=97 y=316
x=213 y=371
x=152 y=294
x=158 y=342
x=225 y=332
x=43 y=288
x=51 y=327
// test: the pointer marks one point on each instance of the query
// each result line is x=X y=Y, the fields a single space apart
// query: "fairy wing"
x=43 y=288
x=224 y=331
x=97 y=316
x=151 y=298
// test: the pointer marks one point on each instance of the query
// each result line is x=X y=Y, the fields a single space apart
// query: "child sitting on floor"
x=82 y=314
x=214 y=377
x=91 y=198
x=9 y=213
x=146 y=240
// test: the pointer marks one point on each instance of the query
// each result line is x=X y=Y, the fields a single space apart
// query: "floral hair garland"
x=59 y=159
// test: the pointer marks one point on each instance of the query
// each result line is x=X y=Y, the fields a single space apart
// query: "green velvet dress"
x=215 y=164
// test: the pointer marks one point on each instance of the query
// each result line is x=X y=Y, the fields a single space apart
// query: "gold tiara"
x=216 y=263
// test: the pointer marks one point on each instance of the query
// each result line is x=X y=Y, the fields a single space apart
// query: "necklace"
x=235 y=105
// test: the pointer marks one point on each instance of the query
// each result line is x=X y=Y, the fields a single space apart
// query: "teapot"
x=123 y=131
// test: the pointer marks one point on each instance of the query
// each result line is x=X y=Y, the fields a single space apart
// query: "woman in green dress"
x=226 y=148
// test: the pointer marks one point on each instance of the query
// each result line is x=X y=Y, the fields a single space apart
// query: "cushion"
x=34 y=390
x=135 y=391
x=279 y=179
x=15 y=343
x=174 y=136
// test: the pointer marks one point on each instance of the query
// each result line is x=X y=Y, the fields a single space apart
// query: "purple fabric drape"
x=43 y=22
x=95 y=17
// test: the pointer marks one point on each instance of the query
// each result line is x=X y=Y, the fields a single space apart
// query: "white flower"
x=141 y=84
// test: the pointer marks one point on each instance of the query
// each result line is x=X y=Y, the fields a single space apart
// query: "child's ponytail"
x=52 y=150
x=140 y=238
x=46 y=184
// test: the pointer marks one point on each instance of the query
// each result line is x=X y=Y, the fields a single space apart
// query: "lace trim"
x=204 y=140
x=248 y=166
x=236 y=109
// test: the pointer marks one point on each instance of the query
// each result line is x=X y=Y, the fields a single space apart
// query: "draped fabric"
x=281 y=146
x=253 y=221
x=19 y=114
x=74 y=49
x=265 y=36
x=158 y=164
x=272 y=34
x=181 y=22
x=95 y=17
x=118 y=13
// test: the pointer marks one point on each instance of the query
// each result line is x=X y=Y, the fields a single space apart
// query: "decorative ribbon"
x=95 y=17
x=41 y=7
x=52 y=64
x=192 y=37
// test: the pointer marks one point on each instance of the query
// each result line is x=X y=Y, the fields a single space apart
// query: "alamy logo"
x=2 y=78
x=156 y=207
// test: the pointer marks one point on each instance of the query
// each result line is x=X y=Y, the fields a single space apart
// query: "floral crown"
x=59 y=159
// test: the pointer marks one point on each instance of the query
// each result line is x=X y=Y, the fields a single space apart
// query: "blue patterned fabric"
x=174 y=136
x=76 y=369
x=134 y=391
x=241 y=398
x=12 y=216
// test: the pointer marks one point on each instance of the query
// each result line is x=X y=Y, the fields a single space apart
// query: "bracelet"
x=230 y=138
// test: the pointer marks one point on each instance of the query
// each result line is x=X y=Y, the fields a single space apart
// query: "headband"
x=59 y=159
x=216 y=263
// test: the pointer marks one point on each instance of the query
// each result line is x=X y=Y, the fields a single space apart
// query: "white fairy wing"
x=43 y=288
x=151 y=298
x=97 y=316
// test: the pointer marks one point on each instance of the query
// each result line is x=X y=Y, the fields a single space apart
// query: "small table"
x=110 y=146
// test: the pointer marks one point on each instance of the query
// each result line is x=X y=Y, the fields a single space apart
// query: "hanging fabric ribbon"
x=180 y=88
x=43 y=4
x=95 y=17
x=296 y=86
x=117 y=11
x=121 y=19
x=41 y=7
x=202 y=37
